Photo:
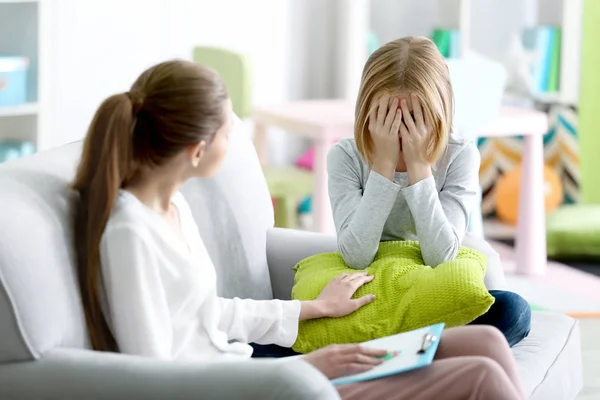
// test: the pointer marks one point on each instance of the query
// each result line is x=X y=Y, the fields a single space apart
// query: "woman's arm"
x=359 y=213
x=139 y=314
x=276 y=321
x=442 y=219
x=260 y=321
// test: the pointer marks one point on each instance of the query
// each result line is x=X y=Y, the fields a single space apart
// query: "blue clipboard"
x=408 y=351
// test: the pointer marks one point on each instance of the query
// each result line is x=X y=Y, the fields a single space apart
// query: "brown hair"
x=411 y=64
x=170 y=106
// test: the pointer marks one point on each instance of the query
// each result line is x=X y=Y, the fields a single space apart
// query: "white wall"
x=99 y=47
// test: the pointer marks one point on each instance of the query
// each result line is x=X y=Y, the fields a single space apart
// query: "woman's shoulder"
x=127 y=218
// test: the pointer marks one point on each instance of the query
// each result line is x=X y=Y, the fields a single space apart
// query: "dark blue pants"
x=271 y=351
x=510 y=313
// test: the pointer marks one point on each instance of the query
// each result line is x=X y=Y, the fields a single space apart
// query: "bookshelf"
x=568 y=16
x=22 y=27
x=487 y=27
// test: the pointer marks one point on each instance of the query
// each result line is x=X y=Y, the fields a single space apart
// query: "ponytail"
x=105 y=165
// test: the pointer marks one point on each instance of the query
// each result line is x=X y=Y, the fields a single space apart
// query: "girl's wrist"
x=418 y=171
x=385 y=169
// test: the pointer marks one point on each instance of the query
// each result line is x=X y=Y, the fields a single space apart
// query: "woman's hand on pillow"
x=346 y=359
x=336 y=298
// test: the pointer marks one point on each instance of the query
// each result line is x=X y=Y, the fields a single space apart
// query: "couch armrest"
x=84 y=374
x=285 y=248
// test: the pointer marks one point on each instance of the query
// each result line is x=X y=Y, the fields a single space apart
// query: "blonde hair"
x=414 y=65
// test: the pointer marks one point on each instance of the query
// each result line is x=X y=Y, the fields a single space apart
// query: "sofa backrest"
x=40 y=305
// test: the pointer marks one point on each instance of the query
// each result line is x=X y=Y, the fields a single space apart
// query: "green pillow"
x=409 y=294
x=573 y=232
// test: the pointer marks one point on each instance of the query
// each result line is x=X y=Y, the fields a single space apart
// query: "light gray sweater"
x=369 y=208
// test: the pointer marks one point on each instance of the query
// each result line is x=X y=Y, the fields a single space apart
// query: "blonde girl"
x=405 y=175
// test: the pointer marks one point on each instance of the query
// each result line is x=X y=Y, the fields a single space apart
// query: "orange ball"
x=508 y=188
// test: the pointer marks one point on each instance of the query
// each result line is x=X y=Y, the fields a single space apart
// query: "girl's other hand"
x=336 y=297
x=340 y=360
x=384 y=122
x=415 y=140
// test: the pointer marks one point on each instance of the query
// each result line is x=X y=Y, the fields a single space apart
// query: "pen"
x=390 y=355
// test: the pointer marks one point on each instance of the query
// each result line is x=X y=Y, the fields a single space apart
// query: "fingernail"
x=372 y=297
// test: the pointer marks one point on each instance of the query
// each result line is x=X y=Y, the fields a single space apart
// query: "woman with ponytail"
x=148 y=285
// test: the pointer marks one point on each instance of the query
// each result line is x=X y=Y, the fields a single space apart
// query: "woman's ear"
x=196 y=152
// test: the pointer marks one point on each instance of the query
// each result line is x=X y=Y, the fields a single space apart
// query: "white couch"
x=44 y=348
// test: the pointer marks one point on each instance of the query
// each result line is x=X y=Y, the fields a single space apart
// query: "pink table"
x=325 y=121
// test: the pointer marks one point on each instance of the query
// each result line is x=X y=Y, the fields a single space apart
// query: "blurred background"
x=527 y=90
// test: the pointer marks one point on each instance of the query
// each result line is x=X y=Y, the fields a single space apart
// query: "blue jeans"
x=271 y=351
x=510 y=313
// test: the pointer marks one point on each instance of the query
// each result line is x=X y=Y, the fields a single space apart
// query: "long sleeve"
x=359 y=213
x=136 y=299
x=441 y=219
x=260 y=321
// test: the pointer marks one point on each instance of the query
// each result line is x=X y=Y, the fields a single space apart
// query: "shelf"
x=17 y=111
x=498 y=230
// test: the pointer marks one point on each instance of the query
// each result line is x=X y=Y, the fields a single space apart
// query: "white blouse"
x=161 y=294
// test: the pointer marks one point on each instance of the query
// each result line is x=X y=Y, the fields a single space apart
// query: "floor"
x=590 y=332
x=562 y=288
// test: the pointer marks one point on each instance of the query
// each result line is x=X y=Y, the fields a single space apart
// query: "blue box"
x=13 y=149
x=13 y=81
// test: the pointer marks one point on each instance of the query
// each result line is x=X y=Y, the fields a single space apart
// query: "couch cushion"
x=40 y=306
x=549 y=359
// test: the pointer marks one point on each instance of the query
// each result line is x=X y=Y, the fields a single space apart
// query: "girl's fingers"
x=397 y=122
x=404 y=130
x=417 y=110
x=408 y=119
x=383 y=108
x=373 y=118
x=391 y=115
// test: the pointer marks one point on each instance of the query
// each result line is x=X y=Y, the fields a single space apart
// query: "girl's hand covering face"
x=385 y=120
x=414 y=132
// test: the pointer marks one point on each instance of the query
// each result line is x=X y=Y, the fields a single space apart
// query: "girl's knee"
x=514 y=315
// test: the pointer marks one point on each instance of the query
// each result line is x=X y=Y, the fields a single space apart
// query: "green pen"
x=390 y=355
